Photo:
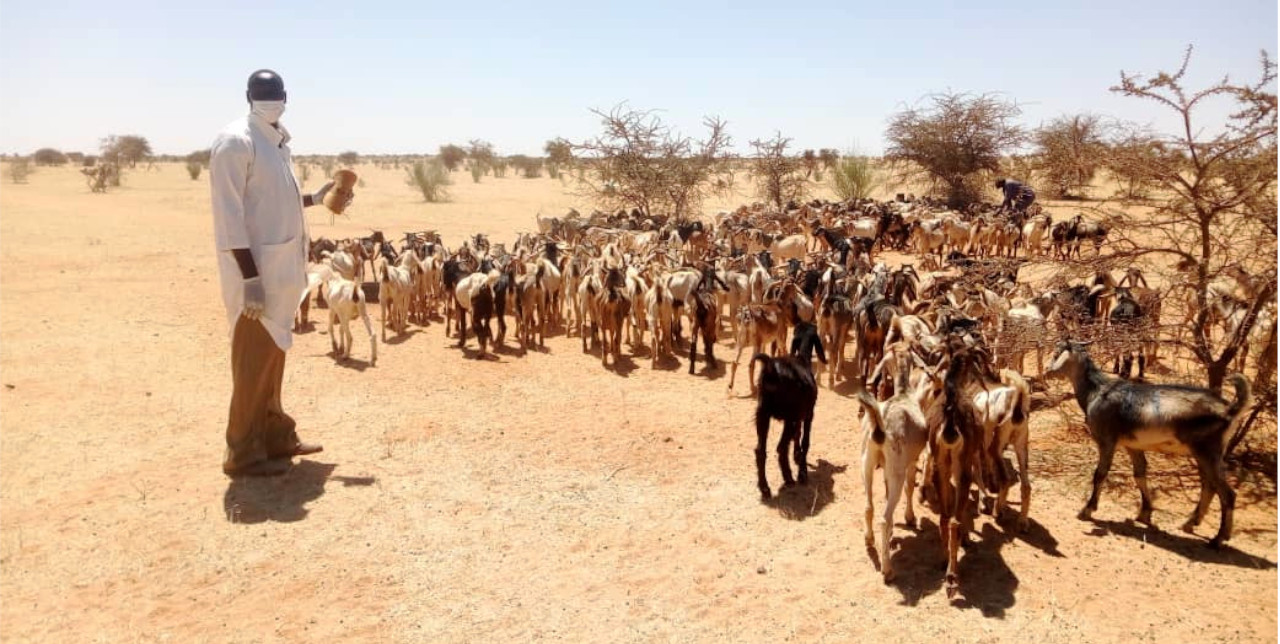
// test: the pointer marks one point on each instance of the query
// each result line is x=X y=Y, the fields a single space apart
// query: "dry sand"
x=537 y=496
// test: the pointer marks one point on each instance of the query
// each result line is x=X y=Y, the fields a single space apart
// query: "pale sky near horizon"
x=401 y=77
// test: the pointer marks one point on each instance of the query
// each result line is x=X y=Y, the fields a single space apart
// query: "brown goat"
x=757 y=324
x=613 y=305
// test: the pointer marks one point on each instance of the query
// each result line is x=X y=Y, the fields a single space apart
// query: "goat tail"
x=873 y=412
x=1244 y=395
x=765 y=360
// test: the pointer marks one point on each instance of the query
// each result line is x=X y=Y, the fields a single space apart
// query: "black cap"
x=265 y=85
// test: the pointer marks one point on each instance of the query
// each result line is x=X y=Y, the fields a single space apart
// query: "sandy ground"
x=536 y=496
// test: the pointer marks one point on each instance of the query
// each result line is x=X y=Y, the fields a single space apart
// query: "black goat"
x=503 y=287
x=788 y=392
x=706 y=311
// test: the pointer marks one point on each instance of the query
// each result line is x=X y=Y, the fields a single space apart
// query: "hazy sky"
x=386 y=77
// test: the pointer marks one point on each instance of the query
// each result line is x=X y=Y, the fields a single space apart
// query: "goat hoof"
x=911 y=523
x=889 y=576
x=1023 y=524
x=871 y=540
x=953 y=586
x=1145 y=519
x=1189 y=527
x=1216 y=543
x=765 y=494
x=1085 y=515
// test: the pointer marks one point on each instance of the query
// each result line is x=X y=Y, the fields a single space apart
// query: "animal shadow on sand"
x=349 y=363
x=624 y=366
x=799 y=502
x=473 y=353
x=986 y=581
x=282 y=498
x=709 y=372
x=400 y=338
x=1187 y=546
x=666 y=362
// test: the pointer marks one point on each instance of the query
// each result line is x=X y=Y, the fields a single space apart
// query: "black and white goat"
x=1174 y=419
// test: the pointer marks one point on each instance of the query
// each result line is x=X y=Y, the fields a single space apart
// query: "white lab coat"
x=257 y=205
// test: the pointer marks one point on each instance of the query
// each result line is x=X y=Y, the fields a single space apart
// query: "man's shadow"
x=281 y=498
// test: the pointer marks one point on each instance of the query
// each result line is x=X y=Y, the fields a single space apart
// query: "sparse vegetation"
x=451 y=156
x=199 y=156
x=18 y=169
x=48 y=156
x=811 y=163
x=124 y=150
x=778 y=175
x=951 y=140
x=193 y=169
x=530 y=167
x=1130 y=151
x=640 y=162
x=1214 y=203
x=1069 y=151
x=559 y=156
x=854 y=177
x=431 y=178
x=480 y=158
x=828 y=157
x=349 y=158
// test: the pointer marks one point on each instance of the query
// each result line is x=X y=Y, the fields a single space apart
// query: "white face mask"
x=270 y=111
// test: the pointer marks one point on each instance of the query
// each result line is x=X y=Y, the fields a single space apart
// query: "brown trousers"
x=257 y=427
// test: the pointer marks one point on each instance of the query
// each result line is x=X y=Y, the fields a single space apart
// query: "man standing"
x=1016 y=195
x=262 y=241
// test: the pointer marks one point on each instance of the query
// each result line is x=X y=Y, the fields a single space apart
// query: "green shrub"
x=430 y=178
x=853 y=177
x=193 y=169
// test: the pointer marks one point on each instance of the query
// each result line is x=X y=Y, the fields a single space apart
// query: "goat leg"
x=802 y=450
x=1139 y=460
x=790 y=429
x=1105 y=454
x=1024 y=478
x=762 y=437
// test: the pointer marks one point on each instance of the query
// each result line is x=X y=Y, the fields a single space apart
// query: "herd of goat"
x=938 y=350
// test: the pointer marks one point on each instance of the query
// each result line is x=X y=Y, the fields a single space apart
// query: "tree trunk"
x=1266 y=364
x=1217 y=375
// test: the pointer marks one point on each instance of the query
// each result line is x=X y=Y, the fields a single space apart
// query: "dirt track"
x=457 y=500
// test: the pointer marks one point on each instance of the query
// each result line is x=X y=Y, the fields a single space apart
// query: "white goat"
x=346 y=302
x=894 y=435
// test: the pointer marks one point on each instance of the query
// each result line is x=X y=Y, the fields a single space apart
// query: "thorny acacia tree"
x=952 y=139
x=1213 y=211
x=640 y=162
x=778 y=175
x=1070 y=151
